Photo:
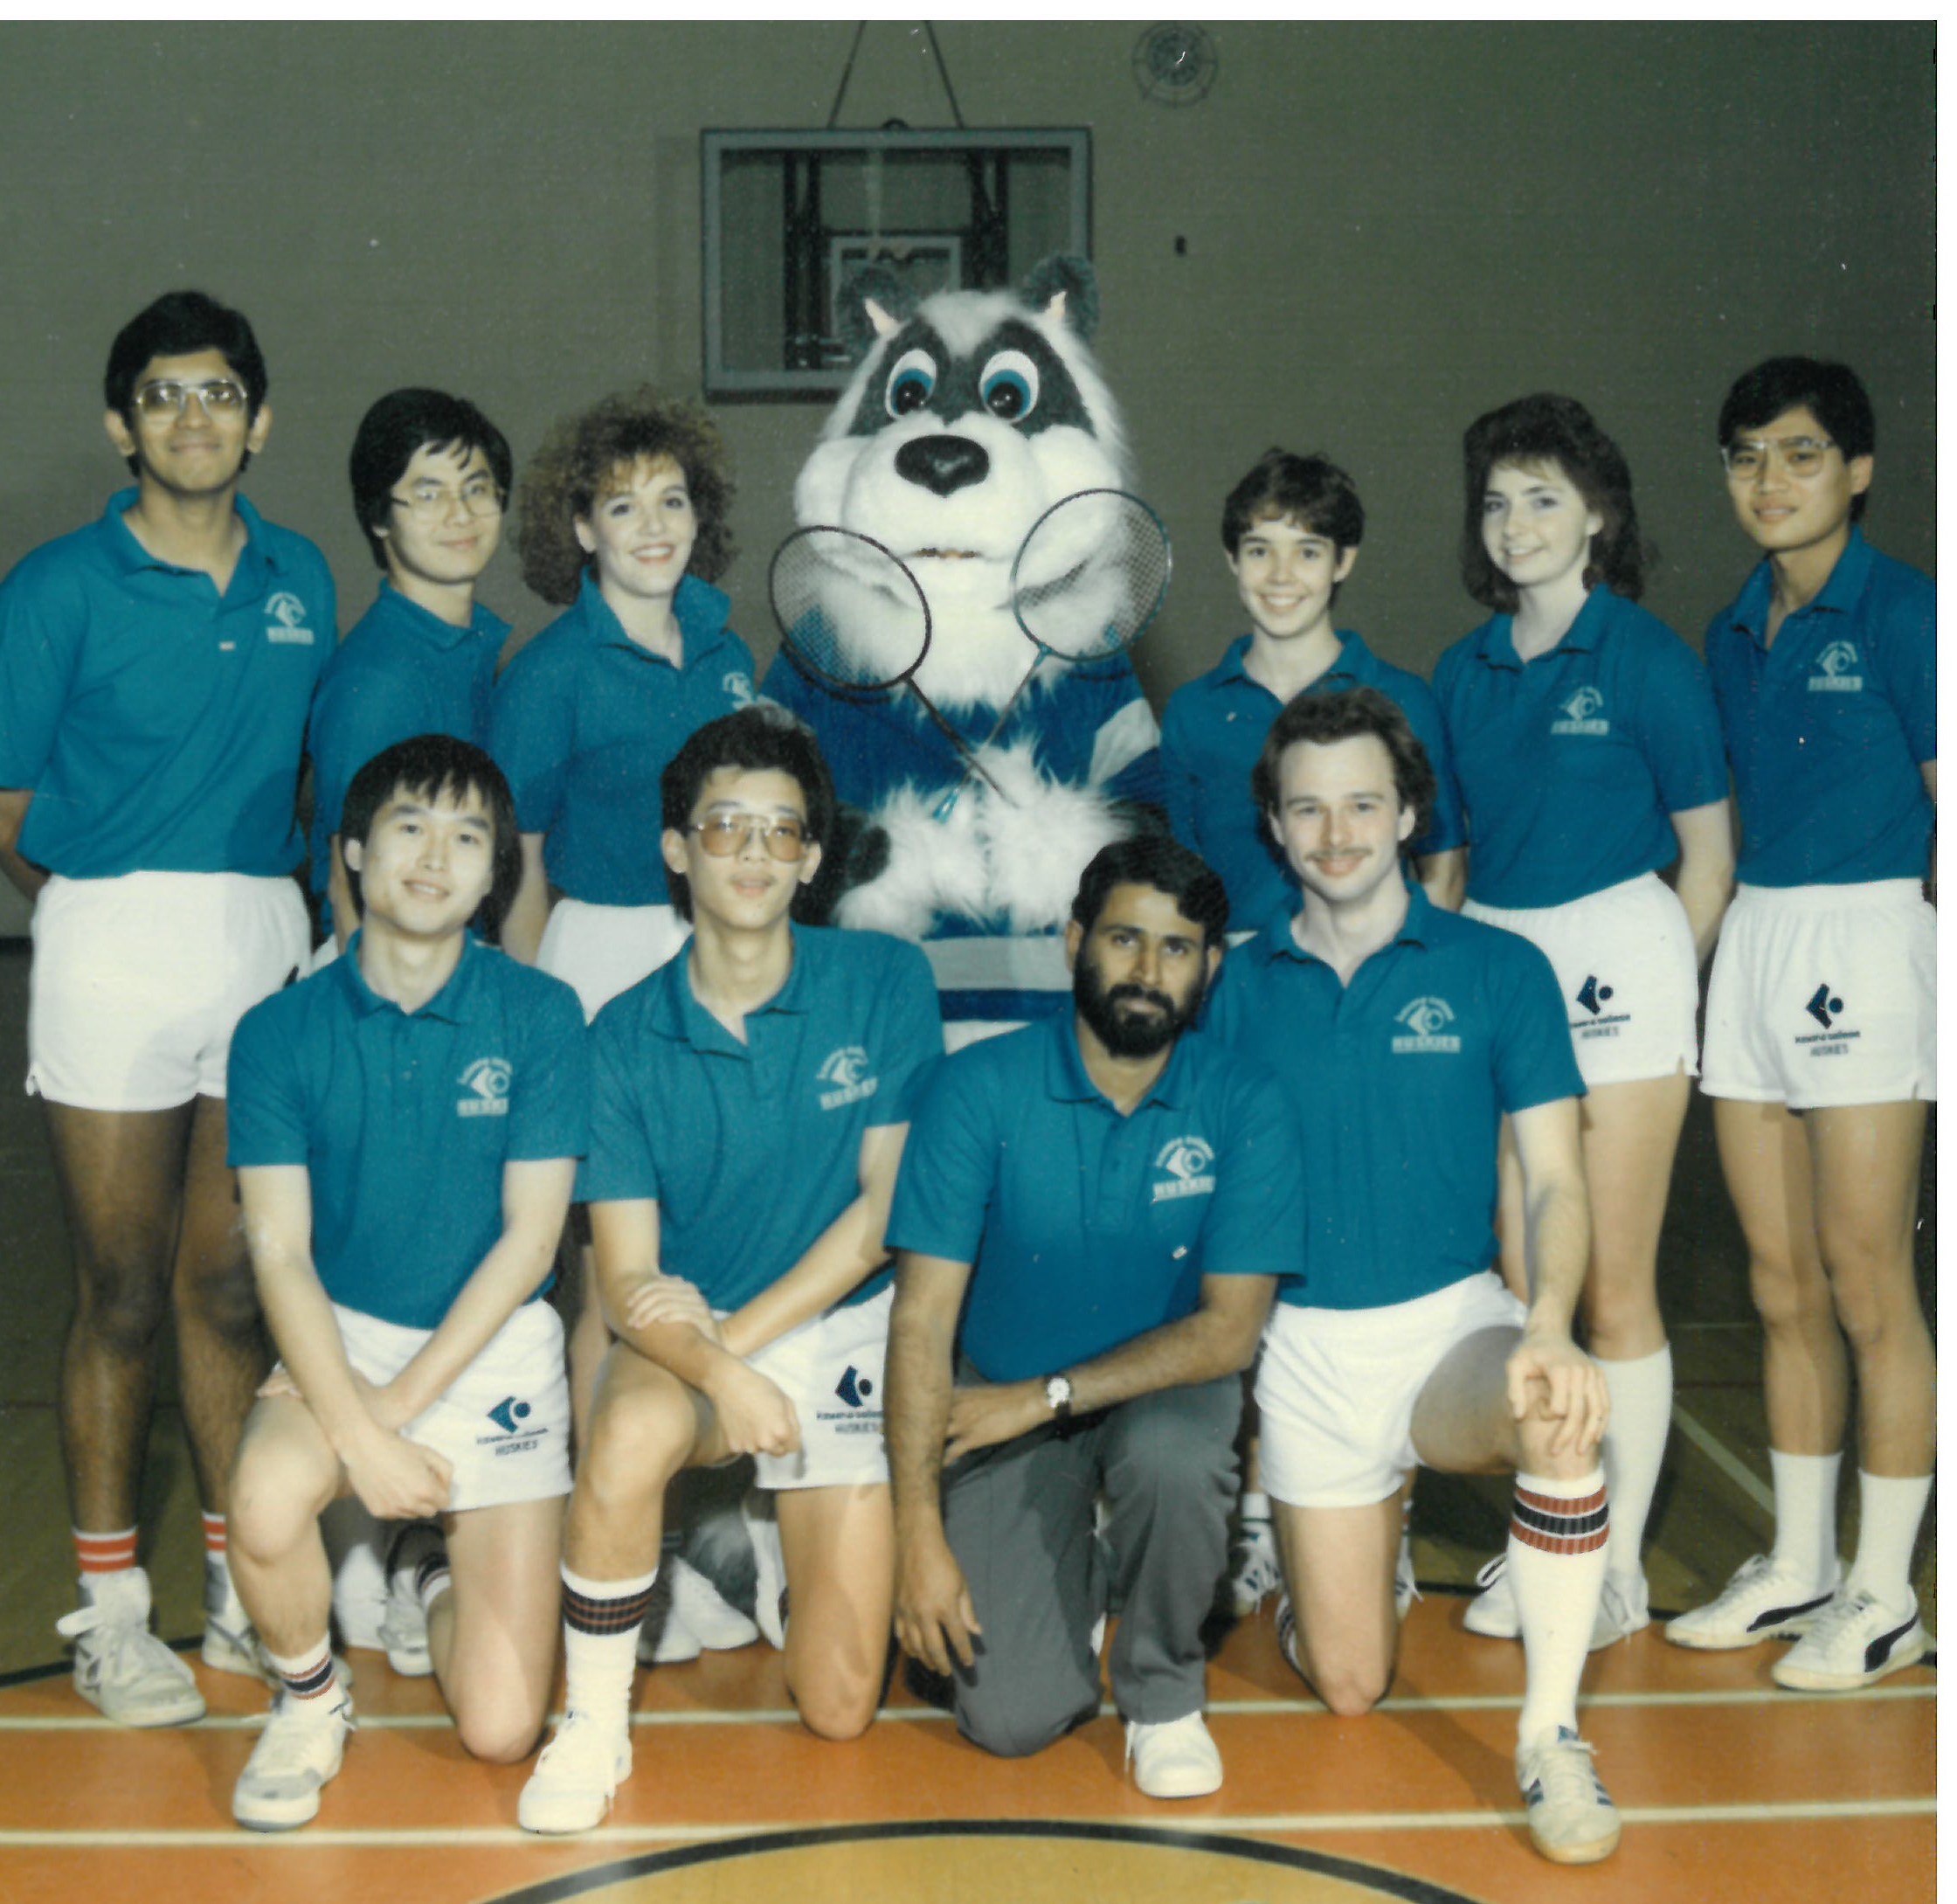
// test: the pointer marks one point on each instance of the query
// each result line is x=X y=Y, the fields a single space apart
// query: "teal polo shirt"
x=159 y=723
x=1086 y=1228
x=1400 y=1081
x=583 y=722
x=405 y=1120
x=1571 y=765
x=400 y=672
x=1213 y=732
x=751 y=1150
x=1828 y=729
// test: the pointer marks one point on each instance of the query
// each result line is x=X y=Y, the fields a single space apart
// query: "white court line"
x=1234 y=1709
x=316 y=1838
x=1723 y=1459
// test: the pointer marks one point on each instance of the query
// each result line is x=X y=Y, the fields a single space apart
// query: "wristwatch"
x=1059 y=1397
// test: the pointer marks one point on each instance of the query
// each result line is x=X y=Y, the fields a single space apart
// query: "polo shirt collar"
x=430 y=626
x=1583 y=636
x=1841 y=594
x=129 y=555
x=677 y=1014
x=454 y=1004
x=1416 y=929
x=1066 y=1079
x=699 y=608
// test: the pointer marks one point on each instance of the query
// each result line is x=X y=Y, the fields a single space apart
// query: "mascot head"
x=969 y=414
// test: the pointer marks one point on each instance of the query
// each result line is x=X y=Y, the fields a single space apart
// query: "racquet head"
x=1091 y=574
x=850 y=611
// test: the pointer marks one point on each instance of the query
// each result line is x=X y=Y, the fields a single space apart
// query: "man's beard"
x=1123 y=1034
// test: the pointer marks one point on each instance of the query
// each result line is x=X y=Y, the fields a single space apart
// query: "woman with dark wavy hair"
x=1588 y=751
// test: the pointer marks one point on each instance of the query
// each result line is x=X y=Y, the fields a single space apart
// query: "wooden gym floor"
x=1729 y=1787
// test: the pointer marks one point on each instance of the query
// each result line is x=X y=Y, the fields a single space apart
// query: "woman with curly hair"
x=624 y=523
x=1588 y=749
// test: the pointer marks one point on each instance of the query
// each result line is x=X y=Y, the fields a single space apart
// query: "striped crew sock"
x=306 y=1675
x=1559 y=1537
x=97 y=1554
x=214 y=1537
x=432 y=1578
x=601 y=1618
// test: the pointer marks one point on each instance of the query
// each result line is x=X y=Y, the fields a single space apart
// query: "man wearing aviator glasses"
x=750 y=1104
x=155 y=671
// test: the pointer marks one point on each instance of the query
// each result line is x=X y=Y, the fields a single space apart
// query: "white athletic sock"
x=1253 y=1506
x=308 y=1674
x=601 y=1618
x=1634 y=1454
x=1893 y=1510
x=1804 y=1489
x=1558 y=1535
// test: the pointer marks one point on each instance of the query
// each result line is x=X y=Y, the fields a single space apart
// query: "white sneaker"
x=1762 y=1601
x=1620 y=1614
x=696 y=1619
x=1405 y=1590
x=770 y=1574
x=575 y=1775
x=121 y=1668
x=1855 y=1640
x=1492 y=1611
x=1287 y=1623
x=1176 y=1759
x=301 y=1750
x=1571 y=1818
x=404 y=1633
x=1254 y=1573
x=231 y=1645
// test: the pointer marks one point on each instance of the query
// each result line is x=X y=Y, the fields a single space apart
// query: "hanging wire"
x=938 y=56
x=848 y=67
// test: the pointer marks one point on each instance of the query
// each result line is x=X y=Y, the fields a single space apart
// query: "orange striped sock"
x=213 y=1536
x=97 y=1554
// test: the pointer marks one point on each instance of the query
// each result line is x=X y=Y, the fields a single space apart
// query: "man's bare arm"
x=1218 y=1338
x=23 y=874
x=523 y=925
x=1704 y=877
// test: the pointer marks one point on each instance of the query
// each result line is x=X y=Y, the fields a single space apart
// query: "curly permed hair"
x=579 y=465
x=1544 y=429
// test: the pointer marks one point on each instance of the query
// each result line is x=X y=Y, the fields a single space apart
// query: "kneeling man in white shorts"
x=406 y=1126
x=1405 y=1035
x=750 y=1104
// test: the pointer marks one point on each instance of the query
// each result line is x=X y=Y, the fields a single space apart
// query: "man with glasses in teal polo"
x=155 y=671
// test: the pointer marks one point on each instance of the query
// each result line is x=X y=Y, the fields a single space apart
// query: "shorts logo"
x=1594 y=997
x=853 y=1389
x=844 y=1069
x=1837 y=662
x=1832 y=1040
x=1187 y=1167
x=1580 y=714
x=512 y=1437
x=1821 y=1008
x=738 y=688
x=287 y=622
x=1424 y=1019
x=488 y=1078
x=509 y=1412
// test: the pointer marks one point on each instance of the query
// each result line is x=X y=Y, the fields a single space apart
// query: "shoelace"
x=1562 y=1776
x=1842 y=1610
x=292 y=1739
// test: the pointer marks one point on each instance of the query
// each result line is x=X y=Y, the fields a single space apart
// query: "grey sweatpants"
x=1019 y=1518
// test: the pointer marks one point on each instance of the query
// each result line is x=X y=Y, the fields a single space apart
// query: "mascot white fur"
x=969 y=415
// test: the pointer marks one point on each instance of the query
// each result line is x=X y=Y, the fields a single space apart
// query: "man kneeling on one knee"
x=1091 y=1218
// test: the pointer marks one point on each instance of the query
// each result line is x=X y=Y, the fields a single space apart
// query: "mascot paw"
x=932 y=867
x=1039 y=837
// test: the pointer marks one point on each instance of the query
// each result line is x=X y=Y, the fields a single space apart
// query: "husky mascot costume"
x=969 y=415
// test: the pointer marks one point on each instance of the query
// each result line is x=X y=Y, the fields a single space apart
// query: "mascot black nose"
x=943 y=463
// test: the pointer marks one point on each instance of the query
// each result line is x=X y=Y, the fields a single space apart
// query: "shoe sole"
x=187 y=1712
x=555 y=1829
x=1594 y=1852
x=281 y=1821
x=1731 y=1642
x=1806 y=1679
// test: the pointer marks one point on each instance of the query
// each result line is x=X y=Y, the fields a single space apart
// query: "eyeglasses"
x=220 y=398
x=479 y=496
x=1800 y=456
x=725 y=834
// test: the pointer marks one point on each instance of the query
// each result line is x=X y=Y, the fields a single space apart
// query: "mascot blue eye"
x=1009 y=387
x=913 y=378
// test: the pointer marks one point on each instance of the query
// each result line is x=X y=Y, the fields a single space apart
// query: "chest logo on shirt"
x=738 y=688
x=488 y=1080
x=843 y=1069
x=1836 y=667
x=285 y=619
x=1186 y=1167
x=1582 y=714
x=1426 y=1020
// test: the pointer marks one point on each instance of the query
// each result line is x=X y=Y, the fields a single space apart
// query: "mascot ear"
x=873 y=303
x=1064 y=287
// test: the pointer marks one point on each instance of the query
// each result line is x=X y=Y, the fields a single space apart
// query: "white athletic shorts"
x=831 y=1369
x=503 y=1424
x=1825 y=996
x=602 y=950
x=1624 y=961
x=138 y=982
x=1336 y=1387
